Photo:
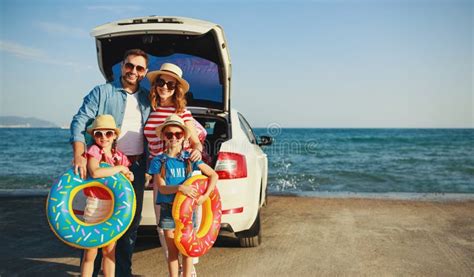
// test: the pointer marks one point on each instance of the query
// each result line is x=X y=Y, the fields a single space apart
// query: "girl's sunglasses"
x=177 y=135
x=161 y=83
x=101 y=134
x=131 y=66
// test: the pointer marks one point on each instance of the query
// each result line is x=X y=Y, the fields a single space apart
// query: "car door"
x=260 y=174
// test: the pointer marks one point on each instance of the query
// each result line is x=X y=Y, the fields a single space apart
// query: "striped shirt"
x=156 y=118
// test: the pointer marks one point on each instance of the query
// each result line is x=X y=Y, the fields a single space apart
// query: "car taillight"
x=231 y=166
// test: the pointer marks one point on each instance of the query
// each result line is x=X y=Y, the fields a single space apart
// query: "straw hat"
x=174 y=120
x=170 y=70
x=104 y=122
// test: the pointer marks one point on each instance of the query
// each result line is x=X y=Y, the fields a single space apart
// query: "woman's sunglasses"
x=161 y=83
x=101 y=134
x=131 y=66
x=177 y=135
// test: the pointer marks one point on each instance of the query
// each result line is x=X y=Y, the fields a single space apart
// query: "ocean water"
x=301 y=161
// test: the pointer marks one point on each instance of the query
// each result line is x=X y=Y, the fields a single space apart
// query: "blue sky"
x=295 y=63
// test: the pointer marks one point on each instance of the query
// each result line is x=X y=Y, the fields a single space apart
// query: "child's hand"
x=196 y=155
x=130 y=176
x=202 y=199
x=188 y=191
x=148 y=181
x=124 y=170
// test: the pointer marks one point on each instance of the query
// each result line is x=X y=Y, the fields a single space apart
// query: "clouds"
x=31 y=53
x=34 y=54
x=117 y=9
x=21 y=51
x=62 y=30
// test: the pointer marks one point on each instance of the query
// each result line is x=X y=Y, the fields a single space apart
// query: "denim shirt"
x=110 y=99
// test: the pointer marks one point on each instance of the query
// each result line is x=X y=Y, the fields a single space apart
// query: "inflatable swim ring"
x=74 y=232
x=188 y=241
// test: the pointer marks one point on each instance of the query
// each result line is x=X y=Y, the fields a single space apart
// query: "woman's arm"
x=213 y=177
x=164 y=189
x=95 y=171
x=196 y=153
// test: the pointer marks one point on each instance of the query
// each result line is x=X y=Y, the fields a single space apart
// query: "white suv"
x=200 y=49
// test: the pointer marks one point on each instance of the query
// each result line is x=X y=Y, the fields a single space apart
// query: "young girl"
x=99 y=202
x=168 y=96
x=170 y=170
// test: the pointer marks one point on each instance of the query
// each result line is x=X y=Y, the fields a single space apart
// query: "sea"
x=304 y=162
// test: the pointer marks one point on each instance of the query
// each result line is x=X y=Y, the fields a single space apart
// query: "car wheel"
x=253 y=236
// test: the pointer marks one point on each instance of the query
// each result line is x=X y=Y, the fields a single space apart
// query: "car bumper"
x=239 y=205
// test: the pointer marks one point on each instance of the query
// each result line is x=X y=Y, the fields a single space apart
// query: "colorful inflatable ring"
x=74 y=232
x=188 y=241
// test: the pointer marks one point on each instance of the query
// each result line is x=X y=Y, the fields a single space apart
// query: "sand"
x=302 y=236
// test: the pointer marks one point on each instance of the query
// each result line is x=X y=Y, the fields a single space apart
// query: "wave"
x=299 y=161
x=410 y=196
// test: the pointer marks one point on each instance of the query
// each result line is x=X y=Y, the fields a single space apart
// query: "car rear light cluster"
x=231 y=166
x=233 y=211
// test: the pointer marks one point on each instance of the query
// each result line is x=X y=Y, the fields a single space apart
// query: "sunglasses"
x=161 y=83
x=131 y=66
x=177 y=135
x=101 y=134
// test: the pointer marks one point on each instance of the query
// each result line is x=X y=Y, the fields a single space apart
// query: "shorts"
x=166 y=217
x=96 y=209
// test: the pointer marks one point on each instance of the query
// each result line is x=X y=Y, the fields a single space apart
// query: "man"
x=128 y=103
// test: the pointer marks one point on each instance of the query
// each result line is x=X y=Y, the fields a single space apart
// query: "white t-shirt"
x=130 y=141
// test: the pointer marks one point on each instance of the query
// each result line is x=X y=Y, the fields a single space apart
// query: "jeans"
x=166 y=221
x=126 y=244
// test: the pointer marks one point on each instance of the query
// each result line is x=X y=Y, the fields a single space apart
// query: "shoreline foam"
x=410 y=196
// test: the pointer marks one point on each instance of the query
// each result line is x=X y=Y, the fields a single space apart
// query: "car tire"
x=253 y=236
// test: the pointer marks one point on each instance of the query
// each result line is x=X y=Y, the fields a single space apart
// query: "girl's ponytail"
x=114 y=151
x=163 y=167
x=189 y=167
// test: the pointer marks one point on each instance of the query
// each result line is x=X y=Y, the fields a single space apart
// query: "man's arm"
x=86 y=114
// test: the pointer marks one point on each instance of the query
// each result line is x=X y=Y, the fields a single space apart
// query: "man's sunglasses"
x=101 y=134
x=131 y=66
x=177 y=135
x=161 y=83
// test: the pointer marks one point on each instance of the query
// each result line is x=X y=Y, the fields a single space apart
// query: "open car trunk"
x=217 y=132
x=198 y=47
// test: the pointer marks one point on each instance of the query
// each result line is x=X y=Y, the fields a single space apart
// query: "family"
x=148 y=136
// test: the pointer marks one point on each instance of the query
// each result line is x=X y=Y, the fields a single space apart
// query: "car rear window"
x=201 y=74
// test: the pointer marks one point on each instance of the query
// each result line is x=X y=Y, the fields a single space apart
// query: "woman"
x=167 y=97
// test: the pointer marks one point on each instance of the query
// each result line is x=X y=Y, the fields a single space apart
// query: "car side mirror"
x=265 y=140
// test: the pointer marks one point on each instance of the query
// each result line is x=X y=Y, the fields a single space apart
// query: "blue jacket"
x=110 y=99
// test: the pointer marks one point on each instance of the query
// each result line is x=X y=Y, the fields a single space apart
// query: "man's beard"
x=137 y=80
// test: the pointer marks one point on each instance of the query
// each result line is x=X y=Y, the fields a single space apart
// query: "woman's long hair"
x=178 y=98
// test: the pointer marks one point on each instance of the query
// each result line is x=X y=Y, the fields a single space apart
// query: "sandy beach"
x=302 y=236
